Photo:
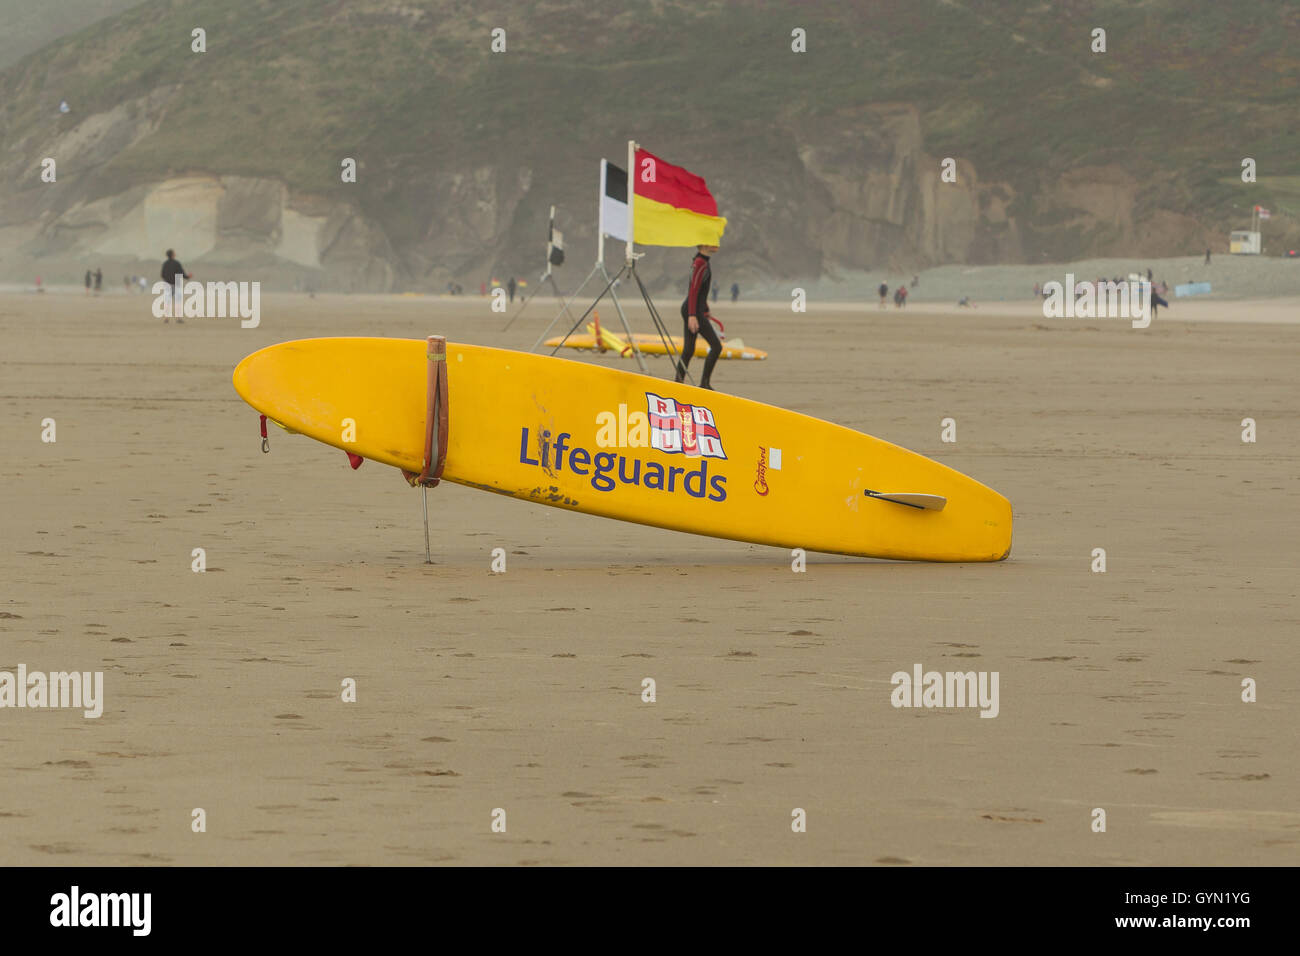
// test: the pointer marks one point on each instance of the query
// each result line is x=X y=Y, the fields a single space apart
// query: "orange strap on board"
x=435 y=429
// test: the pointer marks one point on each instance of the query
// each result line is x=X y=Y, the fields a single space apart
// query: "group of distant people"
x=900 y=294
x=94 y=279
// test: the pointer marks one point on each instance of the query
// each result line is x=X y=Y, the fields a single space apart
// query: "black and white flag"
x=555 y=246
x=613 y=201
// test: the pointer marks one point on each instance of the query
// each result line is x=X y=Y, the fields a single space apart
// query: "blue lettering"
x=702 y=475
x=523 y=449
x=656 y=471
x=604 y=465
x=636 y=472
x=560 y=447
x=609 y=470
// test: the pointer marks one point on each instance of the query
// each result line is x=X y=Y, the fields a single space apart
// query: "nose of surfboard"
x=366 y=396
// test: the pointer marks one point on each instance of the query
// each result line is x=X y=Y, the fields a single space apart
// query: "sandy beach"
x=522 y=691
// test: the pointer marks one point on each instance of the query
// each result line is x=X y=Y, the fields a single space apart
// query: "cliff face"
x=87 y=215
x=847 y=193
x=880 y=200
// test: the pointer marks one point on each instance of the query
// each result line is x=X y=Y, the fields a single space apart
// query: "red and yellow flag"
x=671 y=206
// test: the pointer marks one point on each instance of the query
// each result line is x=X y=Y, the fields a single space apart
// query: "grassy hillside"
x=287 y=87
x=28 y=26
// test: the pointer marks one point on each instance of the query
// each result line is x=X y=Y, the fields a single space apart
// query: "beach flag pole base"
x=564 y=305
x=424 y=494
x=609 y=284
x=618 y=307
x=658 y=321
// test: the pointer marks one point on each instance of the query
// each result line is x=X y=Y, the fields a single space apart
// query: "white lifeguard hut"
x=1246 y=242
x=1243 y=242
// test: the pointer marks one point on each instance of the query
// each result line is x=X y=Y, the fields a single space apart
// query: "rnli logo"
x=681 y=429
x=760 y=482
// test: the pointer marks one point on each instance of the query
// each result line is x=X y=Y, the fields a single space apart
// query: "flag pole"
x=631 y=199
x=546 y=274
x=600 y=214
x=630 y=265
x=550 y=239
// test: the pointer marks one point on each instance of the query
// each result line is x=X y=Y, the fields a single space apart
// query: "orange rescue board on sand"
x=617 y=444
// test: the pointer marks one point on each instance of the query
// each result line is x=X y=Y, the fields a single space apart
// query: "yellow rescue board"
x=621 y=445
x=653 y=345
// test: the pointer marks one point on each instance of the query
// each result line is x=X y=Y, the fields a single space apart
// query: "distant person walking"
x=715 y=292
x=735 y=291
x=90 y=278
x=884 y=294
x=1207 y=257
x=915 y=281
x=510 y=288
x=900 y=297
x=99 y=281
x=1156 y=302
x=172 y=268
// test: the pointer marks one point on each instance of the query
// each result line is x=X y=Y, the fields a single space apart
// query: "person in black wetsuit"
x=696 y=317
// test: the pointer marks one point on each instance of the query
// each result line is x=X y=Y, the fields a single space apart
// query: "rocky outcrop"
x=883 y=201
